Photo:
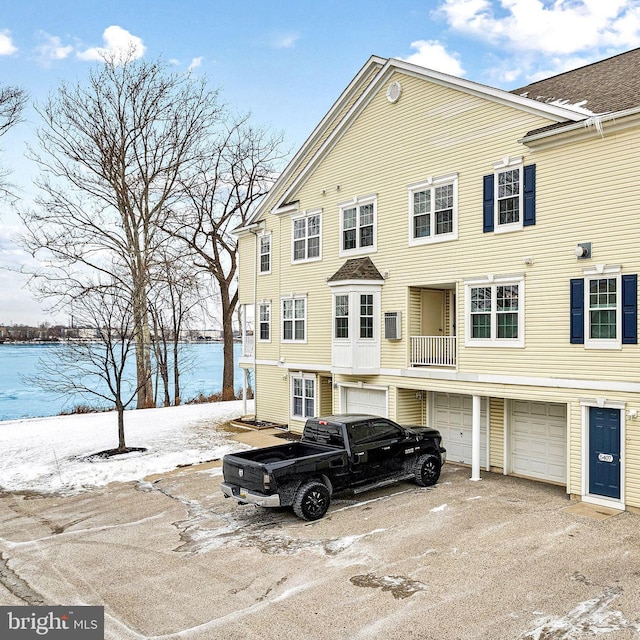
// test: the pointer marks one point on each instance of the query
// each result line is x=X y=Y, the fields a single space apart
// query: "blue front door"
x=604 y=452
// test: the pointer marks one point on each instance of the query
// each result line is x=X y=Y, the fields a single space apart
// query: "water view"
x=201 y=374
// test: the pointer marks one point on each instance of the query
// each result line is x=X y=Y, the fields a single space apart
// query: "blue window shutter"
x=529 y=195
x=577 y=311
x=630 y=309
x=487 y=203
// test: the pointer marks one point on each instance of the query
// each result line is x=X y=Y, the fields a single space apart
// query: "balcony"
x=436 y=351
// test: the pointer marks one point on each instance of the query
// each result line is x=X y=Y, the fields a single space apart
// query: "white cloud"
x=195 y=63
x=51 y=48
x=118 y=43
x=553 y=27
x=285 y=41
x=6 y=43
x=432 y=55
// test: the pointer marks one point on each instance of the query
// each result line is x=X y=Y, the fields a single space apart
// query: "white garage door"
x=453 y=417
x=369 y=401
x=539 y=440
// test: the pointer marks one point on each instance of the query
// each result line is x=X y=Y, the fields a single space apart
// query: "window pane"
x=287 y=309
x=508 y=211
x=298 y=250
x=299 y=327
x=507 y=325
x=349 y=219
x=313 y=247
x=444 y=221
x=481 y=325
x=508 y=200
x=342 y=317
x=265 y=262
x=349 y=239
x=366 y=316
x=297 y=406
x=313 y=225
x=366 y=215
x=299 y=308
x=366 y=237
x=509 y=183
x=421 y=226
x=480 y=299
x=603 y=325
x=507 y=298
x=421 y=202
x=299 y=228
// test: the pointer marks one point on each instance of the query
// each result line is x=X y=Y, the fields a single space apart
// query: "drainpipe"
x=475 y=439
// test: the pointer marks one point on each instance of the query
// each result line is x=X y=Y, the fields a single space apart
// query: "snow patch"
x=48 y=455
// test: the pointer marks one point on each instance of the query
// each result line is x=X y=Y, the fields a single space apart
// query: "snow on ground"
x=46 y=455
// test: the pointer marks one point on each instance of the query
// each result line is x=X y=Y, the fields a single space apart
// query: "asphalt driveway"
x=170 y=558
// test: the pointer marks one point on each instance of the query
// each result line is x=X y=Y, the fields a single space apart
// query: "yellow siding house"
x=442 y=252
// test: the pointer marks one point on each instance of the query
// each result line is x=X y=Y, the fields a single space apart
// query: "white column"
x=475 y=439
x=244 y=392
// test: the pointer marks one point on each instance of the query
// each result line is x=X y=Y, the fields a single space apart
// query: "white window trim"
x=306 y=214
x=431 y=184
x=495 y=281
x=265 y=234
x=353 y=292
x=294 y=297
x=507 y=164
x=357 y=202
x=348 y=316
x=304 y=377
x=263 y=303
x=602 y=272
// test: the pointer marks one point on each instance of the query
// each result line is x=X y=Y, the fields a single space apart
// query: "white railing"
x=439 y=351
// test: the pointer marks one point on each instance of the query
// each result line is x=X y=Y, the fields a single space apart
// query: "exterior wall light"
x=583 y=250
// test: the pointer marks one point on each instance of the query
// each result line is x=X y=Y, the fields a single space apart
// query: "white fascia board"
x=247 y=228
x=552 y=112
x=555 y=112
x=318 y=132
x=593 y=125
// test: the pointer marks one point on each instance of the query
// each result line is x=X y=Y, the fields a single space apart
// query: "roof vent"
x=394 y=91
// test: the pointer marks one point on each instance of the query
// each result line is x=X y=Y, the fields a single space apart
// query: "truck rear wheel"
x=427 y=470
x=312 y=500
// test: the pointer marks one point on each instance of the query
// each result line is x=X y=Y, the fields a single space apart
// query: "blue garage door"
x=604 y=452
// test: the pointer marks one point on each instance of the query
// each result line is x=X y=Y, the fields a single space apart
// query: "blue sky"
x=287 y=62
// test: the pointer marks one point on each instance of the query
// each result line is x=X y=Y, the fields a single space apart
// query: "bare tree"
x=175 y=294
x=98 y=368
x=220 y=196
x=111 y=154
x=12 y=103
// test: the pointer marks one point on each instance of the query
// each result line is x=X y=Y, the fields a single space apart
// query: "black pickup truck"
x=336 y=453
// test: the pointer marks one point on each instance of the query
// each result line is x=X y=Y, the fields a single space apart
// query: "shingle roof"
x=602 y=87
x=357 y=269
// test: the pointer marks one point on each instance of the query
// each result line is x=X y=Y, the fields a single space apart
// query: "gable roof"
x=357 y=269
x=602 y=87
x=554 y=112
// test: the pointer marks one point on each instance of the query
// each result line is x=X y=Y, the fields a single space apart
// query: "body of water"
x=201 y=373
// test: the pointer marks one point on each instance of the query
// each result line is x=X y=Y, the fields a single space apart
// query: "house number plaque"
x=605 y=457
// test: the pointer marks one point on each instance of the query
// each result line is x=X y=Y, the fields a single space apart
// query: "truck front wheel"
x=427 y=470
x=312 y=500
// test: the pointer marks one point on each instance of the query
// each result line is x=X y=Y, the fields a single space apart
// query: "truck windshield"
x=327 y=433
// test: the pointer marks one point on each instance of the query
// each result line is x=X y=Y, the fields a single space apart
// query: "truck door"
x=387 y=452
x=377 y=451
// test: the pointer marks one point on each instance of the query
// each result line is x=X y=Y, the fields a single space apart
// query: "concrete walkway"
x=503 y=558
